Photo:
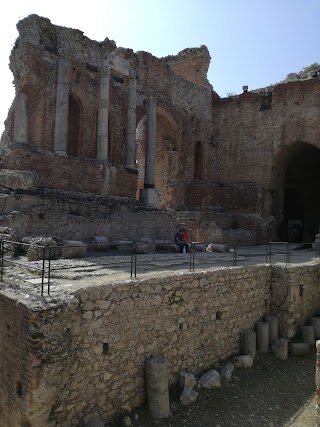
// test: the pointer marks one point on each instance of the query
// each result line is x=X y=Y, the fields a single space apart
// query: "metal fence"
x=135 y=261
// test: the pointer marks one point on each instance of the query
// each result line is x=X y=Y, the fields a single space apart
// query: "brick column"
x=21 y=118
x=103 y=115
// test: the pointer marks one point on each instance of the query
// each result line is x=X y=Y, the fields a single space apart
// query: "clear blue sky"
x=251 y=42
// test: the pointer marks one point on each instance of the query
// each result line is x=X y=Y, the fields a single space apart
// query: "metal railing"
x=135 y=261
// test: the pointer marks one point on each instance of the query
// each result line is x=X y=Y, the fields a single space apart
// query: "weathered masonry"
x=80 y=355
x=99 y=119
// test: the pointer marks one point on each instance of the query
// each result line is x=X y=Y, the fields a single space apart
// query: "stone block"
x=74 y=249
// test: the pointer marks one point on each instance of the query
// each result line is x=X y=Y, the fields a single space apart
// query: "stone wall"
x=88 y=355
x=295 y=296
x=65 y=360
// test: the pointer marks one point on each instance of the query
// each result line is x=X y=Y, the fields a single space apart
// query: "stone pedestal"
x=149 y=197
x=158 y=387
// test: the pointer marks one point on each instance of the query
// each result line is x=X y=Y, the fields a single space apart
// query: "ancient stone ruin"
x=103 y=144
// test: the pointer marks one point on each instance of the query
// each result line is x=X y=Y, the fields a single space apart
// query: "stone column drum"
x=318 y=384
x=273 y=328
x=308 y=334
x=148 y=194
x=62 y=108
x=157 y=387
x=249 y=343
x=263 y=337
x=315 y=321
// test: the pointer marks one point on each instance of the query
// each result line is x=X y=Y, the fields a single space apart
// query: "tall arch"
x=296 y=192
x=74 y=127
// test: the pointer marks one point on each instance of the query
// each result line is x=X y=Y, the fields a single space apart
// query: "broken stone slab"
x=243 y=361
x=299 y=348
x=280 y=349
x=213 y=247
x=210 y=379
x=157 y=387
x=188 y=396
x=74 y=249
x=249 y=343
x=227 y=370
x=186 y=380
x=308 y=334
x=273 y=328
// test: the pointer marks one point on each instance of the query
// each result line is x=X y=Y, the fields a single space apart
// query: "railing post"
x=135 y=262
x=2 y=250
x=43 y=267
x=49 y=270
x=131 y=268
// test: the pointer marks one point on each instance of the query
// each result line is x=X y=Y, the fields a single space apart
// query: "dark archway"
x=298 y=173
x=74 y=120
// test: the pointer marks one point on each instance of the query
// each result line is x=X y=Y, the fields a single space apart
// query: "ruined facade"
x=98 y=119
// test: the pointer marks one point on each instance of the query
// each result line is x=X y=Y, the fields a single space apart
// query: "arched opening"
x=198 y=161
x=166 y=164
x=74 y=120
x=297 y=192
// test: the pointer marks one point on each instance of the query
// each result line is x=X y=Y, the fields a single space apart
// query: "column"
x=148 y=195
x=21 y=118
x=103 y=115
x=62 y=107
x=131 y=125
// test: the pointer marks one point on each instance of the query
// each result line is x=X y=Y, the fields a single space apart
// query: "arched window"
x=198 y=161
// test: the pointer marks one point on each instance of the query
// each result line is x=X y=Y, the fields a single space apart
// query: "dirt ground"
x=271 y=393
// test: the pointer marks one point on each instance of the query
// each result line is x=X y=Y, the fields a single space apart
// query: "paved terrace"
x=69 y=275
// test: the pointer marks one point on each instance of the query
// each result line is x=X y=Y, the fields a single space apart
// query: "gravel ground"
x=272 y=393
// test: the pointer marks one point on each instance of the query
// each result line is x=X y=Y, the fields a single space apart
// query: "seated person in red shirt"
x=178 y=238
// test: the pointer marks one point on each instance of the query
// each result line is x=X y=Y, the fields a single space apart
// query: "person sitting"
x=179 y=239
x=186 y=237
